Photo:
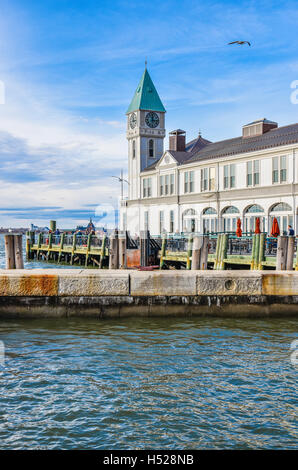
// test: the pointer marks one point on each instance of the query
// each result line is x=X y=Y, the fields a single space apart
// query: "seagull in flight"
x=240 y=43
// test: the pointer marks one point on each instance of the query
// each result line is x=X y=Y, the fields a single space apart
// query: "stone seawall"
x=122 y=293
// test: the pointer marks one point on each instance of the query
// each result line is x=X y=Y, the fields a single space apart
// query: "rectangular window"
x=256 y=172
x=275 y=170
x=186 y=182
x=208 y=179
x=279 y=169
x=166 y=185
x=253 y=173
x=172 y=184
x=232 y=176
x=161 y=184
x=167 y=179
x=226 y=176
x=212 y=179
x=172 y=228
x=229 y=176
x=249 y=174
x=144 y=187
x=283 y=169
x=189 y=182
x=161 y=221
x=147 y=187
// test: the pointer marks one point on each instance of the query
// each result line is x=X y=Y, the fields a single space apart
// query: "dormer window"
x=151 y=148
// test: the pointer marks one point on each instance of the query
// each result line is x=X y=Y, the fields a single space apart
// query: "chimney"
x=177 y=140
x=259 y=127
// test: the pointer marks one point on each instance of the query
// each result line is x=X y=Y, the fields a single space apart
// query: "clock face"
x=152 y=119
x=133 y=121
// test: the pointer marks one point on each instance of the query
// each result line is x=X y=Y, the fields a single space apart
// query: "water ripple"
x=151 y=383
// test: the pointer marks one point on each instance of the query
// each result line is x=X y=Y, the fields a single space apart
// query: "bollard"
x=290 y=253
x=61 y=246
x=189 y=252
x=262 y=250
x=74 y=241
x=102 y=251
x=223 y=251
x=113 y=251
x=53 y=225
x=218 y=241
x=9 y=251
x=122 y=250
x=18 y=251
x=253 y=250
x=204 y=254
x=281 y=255
x=144 y=247
x=163 y=251
x=196 y=253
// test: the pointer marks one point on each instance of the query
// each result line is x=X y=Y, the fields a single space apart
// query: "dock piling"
x=281 y=254
x=18 y=251
x=114 y=255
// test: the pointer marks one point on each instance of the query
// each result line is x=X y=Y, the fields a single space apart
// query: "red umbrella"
x=275 y=228
x=239 y=231
x=257 y=230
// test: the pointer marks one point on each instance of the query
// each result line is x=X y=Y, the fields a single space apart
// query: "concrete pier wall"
x=122 y=293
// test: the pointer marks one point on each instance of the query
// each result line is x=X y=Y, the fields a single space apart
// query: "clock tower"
x=145 y=132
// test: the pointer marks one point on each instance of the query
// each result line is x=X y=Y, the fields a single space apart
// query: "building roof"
x=146 y=96
x=201 y=149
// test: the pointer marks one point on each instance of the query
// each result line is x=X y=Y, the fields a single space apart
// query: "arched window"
x=133 y=149
x=229 y=218
x=281 y=207
x=283 y=214
x=151 y=148
x=230 y=210
x=255 y=208
x=209 y=211
x=251 y=214
x=209 y=220
x=189 y=220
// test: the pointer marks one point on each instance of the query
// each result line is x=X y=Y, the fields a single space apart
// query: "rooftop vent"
x=177 y=140
x=259 y=127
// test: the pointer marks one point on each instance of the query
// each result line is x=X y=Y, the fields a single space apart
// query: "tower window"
x=151 y=148
x=133 y=149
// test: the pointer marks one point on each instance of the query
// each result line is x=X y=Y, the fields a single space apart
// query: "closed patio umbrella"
x=275 y=228
x=257 y=230
x=239 y=231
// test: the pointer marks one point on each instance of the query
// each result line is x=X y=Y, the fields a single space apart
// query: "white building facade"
x=202 y=186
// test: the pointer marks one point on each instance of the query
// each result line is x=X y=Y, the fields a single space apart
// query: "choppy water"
x=151 y=383
x=30 y=264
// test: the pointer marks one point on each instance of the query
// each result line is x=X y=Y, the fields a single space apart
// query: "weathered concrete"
x=115 y=293
x=229 y=282
x=163 y=283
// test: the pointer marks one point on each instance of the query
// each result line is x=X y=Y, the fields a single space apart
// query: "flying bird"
x=240 y=42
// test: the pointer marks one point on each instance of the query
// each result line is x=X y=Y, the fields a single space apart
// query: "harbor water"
x=150 y=383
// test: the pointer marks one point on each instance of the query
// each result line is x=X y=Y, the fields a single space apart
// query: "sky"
x=69 y=69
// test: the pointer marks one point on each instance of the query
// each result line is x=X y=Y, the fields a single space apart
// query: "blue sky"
x=70 y=69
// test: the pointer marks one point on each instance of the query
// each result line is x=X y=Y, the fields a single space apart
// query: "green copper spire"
x=146 y=96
